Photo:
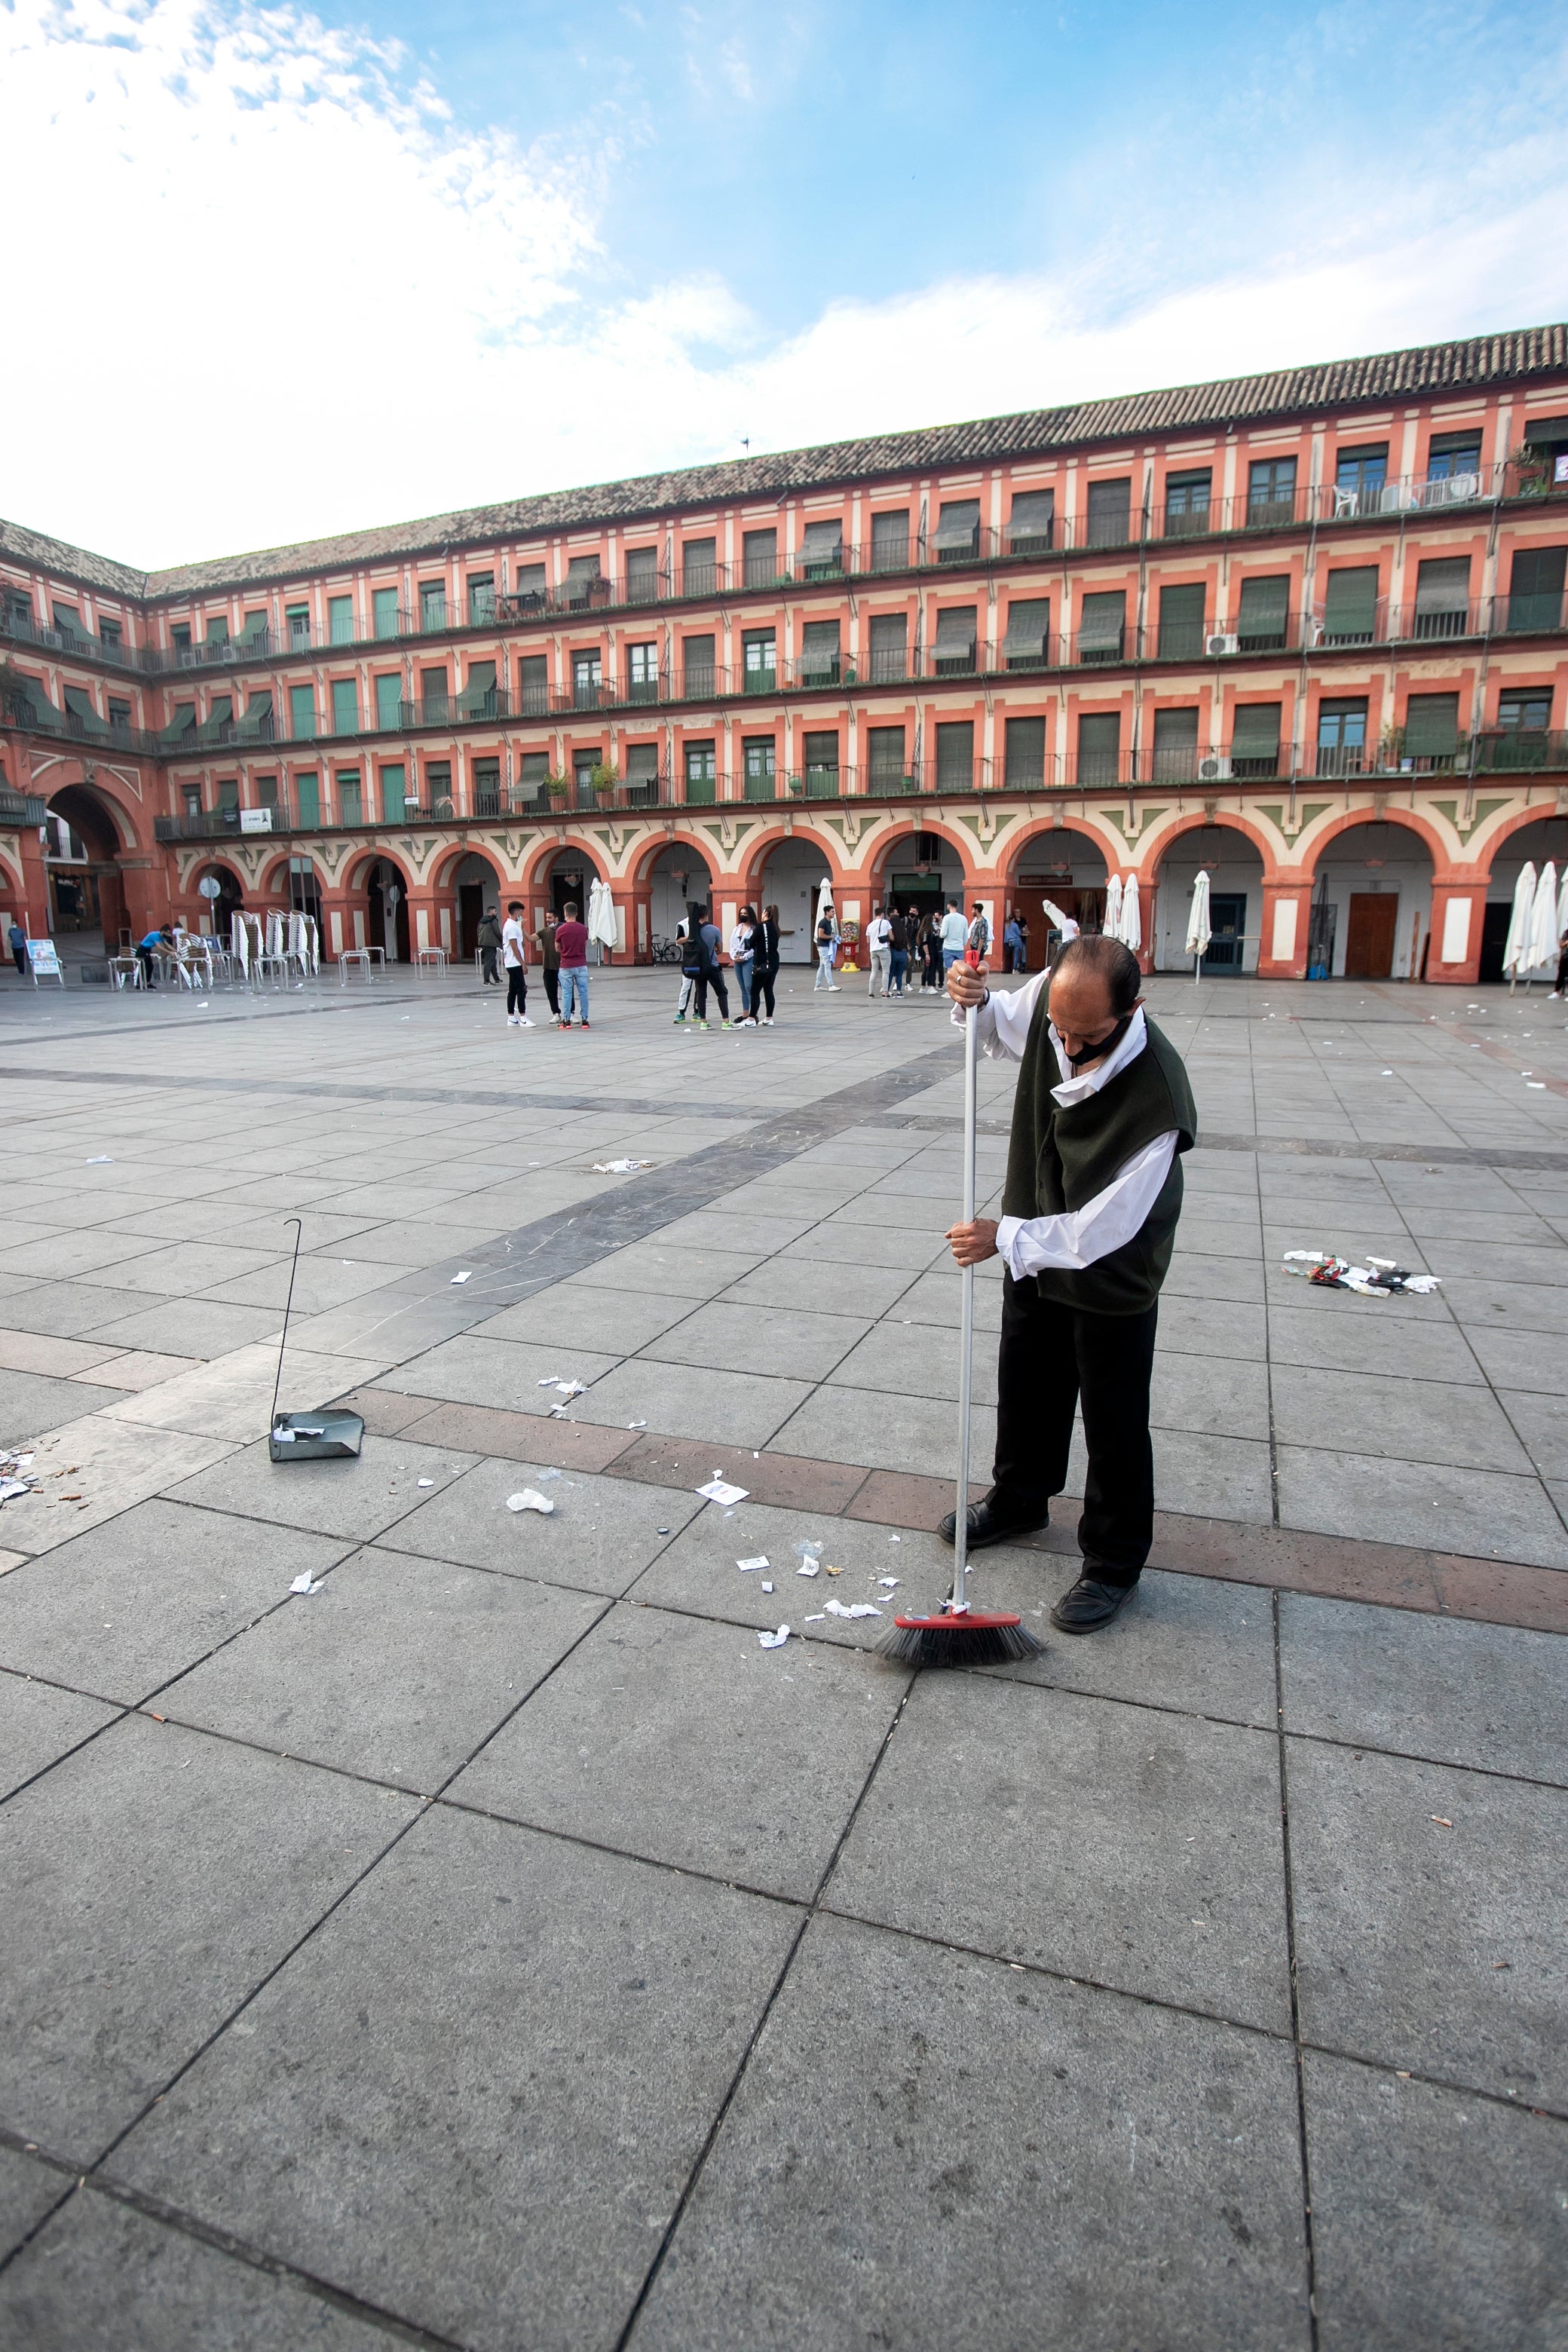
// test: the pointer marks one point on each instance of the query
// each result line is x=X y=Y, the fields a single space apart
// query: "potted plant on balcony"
x=604 y=779
x=1531 y=469
x=556 y=790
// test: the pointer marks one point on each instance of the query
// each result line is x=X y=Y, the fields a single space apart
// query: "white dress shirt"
x=1078 y=1237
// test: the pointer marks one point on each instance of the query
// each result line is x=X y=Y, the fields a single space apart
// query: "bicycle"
x=668 y=951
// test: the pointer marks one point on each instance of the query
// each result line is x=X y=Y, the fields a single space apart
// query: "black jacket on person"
x=764 y=945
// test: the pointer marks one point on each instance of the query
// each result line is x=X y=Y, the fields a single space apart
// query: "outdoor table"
x=431 y=959
x=361 y=958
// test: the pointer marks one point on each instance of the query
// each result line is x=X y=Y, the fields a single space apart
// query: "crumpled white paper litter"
x=745 y=1566
x=775 y=1640
x=620 y=1167
x=303 y=1583
x=530 y=1499
x=851 y=1608
x=717 y=1491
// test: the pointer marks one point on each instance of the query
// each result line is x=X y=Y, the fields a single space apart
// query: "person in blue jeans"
x=572 y=946
x=898 y=960
x=954 y=935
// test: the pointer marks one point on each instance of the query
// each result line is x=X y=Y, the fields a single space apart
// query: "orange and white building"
x=1302 y=630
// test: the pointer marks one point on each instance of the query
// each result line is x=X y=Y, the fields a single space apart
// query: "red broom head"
x=965 y=1637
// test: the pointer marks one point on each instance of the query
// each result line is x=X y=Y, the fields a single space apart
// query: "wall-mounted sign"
x=256 y=820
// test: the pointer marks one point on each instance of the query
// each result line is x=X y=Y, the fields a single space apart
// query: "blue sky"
x=443 y=255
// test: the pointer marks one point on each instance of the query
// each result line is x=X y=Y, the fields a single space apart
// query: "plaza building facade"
x=1303 y=631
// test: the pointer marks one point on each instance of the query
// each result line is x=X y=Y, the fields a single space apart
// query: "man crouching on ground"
x=1102 y=1115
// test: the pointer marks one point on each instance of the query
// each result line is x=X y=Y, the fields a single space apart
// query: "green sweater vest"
x=1059 y=1159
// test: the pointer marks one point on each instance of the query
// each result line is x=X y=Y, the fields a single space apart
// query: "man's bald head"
x=1095 y=986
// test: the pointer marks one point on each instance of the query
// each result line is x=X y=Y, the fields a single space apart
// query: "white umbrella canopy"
x=1131 y=920
x=1541 y=945
x=1519 y=922
x=824 y=898
x=1112 y=923
x=1563 y=903
x=239 y=935
x=602 y=914
x=1198 y=919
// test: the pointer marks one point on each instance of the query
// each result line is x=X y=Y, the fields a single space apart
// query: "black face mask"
x=1104 y=1045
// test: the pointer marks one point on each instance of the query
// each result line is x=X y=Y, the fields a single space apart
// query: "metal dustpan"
x=329 y=1435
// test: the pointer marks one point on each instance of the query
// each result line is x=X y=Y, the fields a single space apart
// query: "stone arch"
x=219 y=912
x=762 y=846
x=370 y=877
x=540 y=866
x=1313 y=842
x=1036 y=869
x=1154 y=845
x=1538 y=834
x=699 y=846
x=787 y=872
x=1371 y=914
x=1520 y=821
x=472 y=880
x=1238 y=858
x=90 y=894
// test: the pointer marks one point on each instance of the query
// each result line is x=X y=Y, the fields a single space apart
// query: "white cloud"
x=271 y=290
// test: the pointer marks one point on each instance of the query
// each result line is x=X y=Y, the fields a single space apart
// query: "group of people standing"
x=561 y=947
x=751 y=954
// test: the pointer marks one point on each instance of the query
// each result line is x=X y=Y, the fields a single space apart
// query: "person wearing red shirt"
x=572 y=946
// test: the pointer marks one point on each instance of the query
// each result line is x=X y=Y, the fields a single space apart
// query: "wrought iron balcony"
x=22 y=809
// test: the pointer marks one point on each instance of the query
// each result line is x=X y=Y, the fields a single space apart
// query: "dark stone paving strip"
x=1311 y=1147
x=1237 y=1551
x=478 y=1098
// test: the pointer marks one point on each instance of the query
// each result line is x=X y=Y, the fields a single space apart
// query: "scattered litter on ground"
x=767 y=1587
x=745 y=1566
x=808 y=1568
x=886 y=1582
x=851 y=1608
x=1378 y=1279
x=1441 y=1823
x=820 y=1620
x=99 y=1159
x=427 y=1482
x=895 y=1539
x=716 y=1491
x=528 y=1500
x=1536 y=1086
x=835 y=1571
x=636 y=1424
x=775 y=1640
x=464 y=1277
x=661 y=1531
x=549 y=1474
x=11 y=1487
x=620 y=1167
x=809 y=1547
x=565 y=1388
x=302 y=1583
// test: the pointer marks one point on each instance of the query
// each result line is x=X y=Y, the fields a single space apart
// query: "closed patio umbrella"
x=1540 y=948
x=602 y=914
x=1518 y=942
x=1198 y=921
x=1111 y=926
x=1131 y=933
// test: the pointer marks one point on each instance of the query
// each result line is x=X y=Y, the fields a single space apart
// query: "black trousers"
x=763 y=977
x=712 y=977
x=1056 y=1358
x=516 y=989
x=553 y=989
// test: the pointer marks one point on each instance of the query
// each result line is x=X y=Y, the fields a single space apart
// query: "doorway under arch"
x=1372 y=904
x=1235 y=868
x=792 y=873
x=679 y=879
x=81 y=855
x=1068 y=868
x=571 y=875
x=919 y=873
x=386 y=910
x=221 y=910
x=477 y=890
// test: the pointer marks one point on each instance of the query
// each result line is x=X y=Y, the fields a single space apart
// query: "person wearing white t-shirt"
x=879 y=937
x=514 y=956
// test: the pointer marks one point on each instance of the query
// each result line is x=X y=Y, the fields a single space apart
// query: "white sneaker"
x=834 y=989
x=511 y=1020
x=524 y=1023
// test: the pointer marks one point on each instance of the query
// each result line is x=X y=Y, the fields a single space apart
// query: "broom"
x=958 y=1635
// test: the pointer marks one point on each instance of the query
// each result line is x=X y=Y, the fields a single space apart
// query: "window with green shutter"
x=339 y=620
x=1176 y=751
x=1432 y=729
x=1350 y=606
x=1181 y=635
x=1025 y=752
x=1535 y=587
x=394 y=794
x=302 y=713
x=351 y=797
x=701 y=774
x=389 y=700
x=383 y=612
x=432 y=604
x=345 y=706
x=885 y=755
x=822 y=764
x=1443 y=597
x=759 y=758
x=1254 y=739
x=297 y=623
x=1028 y=640
x=532 y=685
x=955 y=755
x=308 y=801
x=1109 y=513
x=1098 y=747
x=1264 y=615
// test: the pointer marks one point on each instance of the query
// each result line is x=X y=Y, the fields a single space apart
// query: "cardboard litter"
x=745 y=1566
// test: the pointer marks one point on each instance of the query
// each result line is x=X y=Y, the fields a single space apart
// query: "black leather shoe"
x=1089 y=1603
x=989 y=1523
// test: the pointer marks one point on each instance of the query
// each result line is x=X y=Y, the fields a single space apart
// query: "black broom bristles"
x=959 y=1638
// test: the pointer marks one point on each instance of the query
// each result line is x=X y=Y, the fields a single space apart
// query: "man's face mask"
x=1103 y=1046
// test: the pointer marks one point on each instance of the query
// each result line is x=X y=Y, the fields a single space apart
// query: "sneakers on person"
x=680 y=1021
x=524 y=1022
x=834 y=989
x=511 y=1021
x=726 y=1025
x=583 y=1025
x=767 y=1021
x=699 y=1025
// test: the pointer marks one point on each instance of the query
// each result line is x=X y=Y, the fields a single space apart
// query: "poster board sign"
x=256 y=820
x=43 y=960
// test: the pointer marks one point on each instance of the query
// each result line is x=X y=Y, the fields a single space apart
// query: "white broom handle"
x=959 y=1600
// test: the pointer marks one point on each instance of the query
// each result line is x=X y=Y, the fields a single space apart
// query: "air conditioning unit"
x=1215 y=770
x=1220 y=643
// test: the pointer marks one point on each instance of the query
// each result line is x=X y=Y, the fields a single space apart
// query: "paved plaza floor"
x=494 y=1946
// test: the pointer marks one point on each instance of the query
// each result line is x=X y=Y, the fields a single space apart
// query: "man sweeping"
x=1102 y=1115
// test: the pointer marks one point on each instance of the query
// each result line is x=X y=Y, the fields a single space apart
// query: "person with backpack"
x=703 y=949
x=826 y=950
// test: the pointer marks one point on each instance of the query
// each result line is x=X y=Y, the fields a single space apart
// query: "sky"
x=274 y=272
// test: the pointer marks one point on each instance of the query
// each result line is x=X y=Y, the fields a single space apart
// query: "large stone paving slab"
x=398 y=1667
x=153 y=1879
x=939 y=2153
x=478 y=2095
x=100 y=2274
x=600 y=1538
x=1436 y=2216
x=1138 y=1849
x=1431 y=1920
x=121 y=1609
x=28 y=2189
x=39 y=1723
x=359 y=1498
x=602 y=1750
x=1457 y=1692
